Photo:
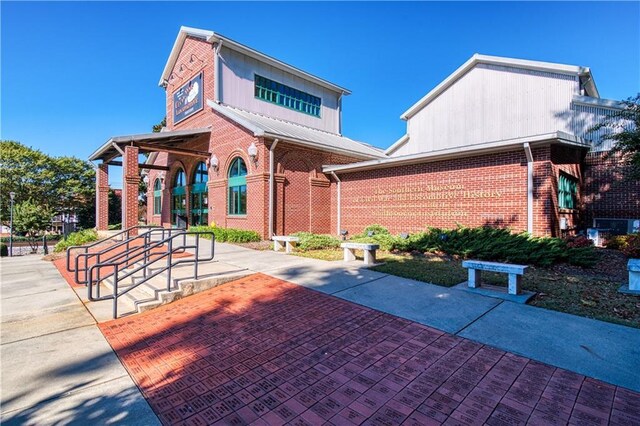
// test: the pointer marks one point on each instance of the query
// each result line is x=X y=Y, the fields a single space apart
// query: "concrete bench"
x=369 y=252
x=634 y=275
x=280 y=241
x=477 y=266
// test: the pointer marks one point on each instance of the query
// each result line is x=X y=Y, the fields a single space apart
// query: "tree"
x=32 y=219
x=158 y=127
x=624 y=130
x=62 y=184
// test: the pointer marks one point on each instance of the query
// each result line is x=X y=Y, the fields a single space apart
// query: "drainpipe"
x=271 y=184
x=340 y=113
x=216 y=72
x=338 y=206
x=529 y=154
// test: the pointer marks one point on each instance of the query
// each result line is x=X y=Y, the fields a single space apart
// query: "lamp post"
x=12 y=195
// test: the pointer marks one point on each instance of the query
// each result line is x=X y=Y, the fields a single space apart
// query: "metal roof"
x=262 y=125
x=170 y=139
x=497 y=60
x=212 y=37
x=561 y=138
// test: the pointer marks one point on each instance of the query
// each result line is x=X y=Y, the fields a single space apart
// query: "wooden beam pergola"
x=178 y=151
x=141 y=165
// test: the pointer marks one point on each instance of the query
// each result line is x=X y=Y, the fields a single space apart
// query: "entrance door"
x=199 y=196
x=179 y=201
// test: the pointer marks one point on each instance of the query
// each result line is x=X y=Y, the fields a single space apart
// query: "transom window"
x=199 y=196
x=278 y=93
x=567 y=191
x=157 y=197
x=238 y=187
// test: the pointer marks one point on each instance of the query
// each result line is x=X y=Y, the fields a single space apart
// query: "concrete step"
x=153 y=293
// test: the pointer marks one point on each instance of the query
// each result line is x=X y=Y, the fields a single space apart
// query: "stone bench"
x=369 y=252
x=477 y=266
x=280 y=241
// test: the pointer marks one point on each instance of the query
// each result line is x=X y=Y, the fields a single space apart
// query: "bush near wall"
x=486 y=243
x=4 y=250
x=309 y=241
x=229 y=235
x=76 y=239
x=628 y=244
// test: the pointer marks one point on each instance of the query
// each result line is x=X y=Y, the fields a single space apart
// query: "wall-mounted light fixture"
x=161 y=177
x=213 y=162
x=253 y=152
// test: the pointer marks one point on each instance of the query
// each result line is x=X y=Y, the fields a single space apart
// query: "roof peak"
x=213 y=37
x=478 y=58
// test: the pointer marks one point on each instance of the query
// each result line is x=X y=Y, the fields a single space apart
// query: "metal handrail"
x=105 y=256
x=148 y=251
x=86 y=247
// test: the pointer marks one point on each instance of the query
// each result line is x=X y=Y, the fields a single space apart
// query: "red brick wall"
x=607 y=190
x=102 y=197
x=130 y=187
x=473 y=191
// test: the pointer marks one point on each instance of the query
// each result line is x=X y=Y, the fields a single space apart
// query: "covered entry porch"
x=125 y=151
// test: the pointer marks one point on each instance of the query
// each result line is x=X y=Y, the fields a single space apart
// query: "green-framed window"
x=199 y=196
x=157 y=197
x=237 y=187
x=288 y=97
x=178 y=197
x=567 y=191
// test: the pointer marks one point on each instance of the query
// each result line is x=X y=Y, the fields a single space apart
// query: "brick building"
x=254 y=143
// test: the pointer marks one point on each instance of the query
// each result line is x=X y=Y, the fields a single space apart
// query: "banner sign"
x=187 y=100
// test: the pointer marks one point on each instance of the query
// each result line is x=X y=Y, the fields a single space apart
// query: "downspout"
x=529 y=154
x=340 y=113
x=216 y=72
x=271 y=184
x=338 y=206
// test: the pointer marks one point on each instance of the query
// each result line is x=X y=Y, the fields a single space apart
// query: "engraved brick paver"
x=265 y=352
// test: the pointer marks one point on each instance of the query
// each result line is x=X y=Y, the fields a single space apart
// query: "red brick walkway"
x=263 y=351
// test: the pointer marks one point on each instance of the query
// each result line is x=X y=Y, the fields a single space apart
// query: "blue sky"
x=74 y=74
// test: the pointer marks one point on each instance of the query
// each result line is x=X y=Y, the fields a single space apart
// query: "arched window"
x=199 y=196
x=238 y=187
x=179 y=200
x=157 y=197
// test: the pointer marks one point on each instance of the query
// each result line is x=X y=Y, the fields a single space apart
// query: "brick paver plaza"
x=264 y=351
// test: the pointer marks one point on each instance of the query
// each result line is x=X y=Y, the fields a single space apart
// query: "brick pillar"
x=130 y=182
x=102 y=197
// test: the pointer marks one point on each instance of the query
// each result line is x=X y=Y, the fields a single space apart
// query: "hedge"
x=229 y=235
x=309 y=241
x=76 y=239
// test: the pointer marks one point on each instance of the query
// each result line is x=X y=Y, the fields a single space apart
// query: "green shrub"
x=632 y=246
x=114 y=227
x=376 y=229
x=309 y=241
x=229 y=235
x=4 y=250
x=628 y=244
x=19 y=238
x=497 y=244
x=76 y=239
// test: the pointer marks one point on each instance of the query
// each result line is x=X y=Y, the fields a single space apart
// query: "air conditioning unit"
x=617 y=226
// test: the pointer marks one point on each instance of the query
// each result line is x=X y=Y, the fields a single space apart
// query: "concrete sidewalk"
x=57 y=368
x=597 y=349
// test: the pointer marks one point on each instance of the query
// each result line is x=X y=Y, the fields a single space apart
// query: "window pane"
x=242 y=202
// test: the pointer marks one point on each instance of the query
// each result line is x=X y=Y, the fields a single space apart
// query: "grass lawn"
x=591 y=292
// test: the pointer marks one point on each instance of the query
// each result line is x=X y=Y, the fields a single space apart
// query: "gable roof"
x=261 y=125
x=212 y=37
x=510 y=62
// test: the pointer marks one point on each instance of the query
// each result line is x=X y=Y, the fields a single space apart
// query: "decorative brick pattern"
x=263 y=351
x=102 y=197
x=130 y=185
